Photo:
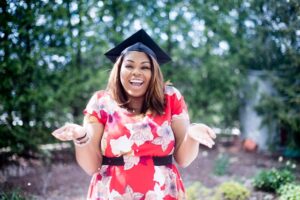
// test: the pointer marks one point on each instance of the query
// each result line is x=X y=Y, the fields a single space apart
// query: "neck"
x=135 y=105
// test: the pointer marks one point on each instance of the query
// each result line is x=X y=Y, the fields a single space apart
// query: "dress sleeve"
x=178 y=106
x=95 y=108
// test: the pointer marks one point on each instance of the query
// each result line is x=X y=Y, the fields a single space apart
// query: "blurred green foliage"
x=221 y=164
x=51 y=59
x=196 y=190
x=13 y=195
x=271 y=180
x=289 y=191
x=232 y=191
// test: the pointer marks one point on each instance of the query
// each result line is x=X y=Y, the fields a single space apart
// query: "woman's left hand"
x=202 y=134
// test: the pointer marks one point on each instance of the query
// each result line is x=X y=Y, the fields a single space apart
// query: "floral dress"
x=136 y=139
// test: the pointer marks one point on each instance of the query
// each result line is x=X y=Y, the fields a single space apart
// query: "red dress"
x=136 y=139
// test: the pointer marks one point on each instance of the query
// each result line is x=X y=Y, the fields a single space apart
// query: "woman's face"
x=135 y=73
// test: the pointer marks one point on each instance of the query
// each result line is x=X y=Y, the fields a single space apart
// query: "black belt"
x=119 y=161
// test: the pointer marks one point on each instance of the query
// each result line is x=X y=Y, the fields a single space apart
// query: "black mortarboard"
x=139 y=41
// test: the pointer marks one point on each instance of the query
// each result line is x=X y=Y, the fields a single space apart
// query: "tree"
x=23 y=87
x=277 y=28
x=52 y=58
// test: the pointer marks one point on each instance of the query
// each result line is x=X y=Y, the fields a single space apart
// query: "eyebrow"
x=141 y=62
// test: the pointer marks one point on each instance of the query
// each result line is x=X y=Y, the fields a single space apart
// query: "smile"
x=136 y=82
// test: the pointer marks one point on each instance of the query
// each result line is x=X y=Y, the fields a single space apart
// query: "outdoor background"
x=51 y=62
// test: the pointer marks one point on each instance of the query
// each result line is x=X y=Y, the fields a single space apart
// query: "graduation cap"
x=139 y=41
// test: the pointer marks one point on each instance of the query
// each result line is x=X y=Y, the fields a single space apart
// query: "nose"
x=136 y=71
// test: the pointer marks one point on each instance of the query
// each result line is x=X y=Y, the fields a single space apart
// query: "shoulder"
x=98 y=97
x=174 y=101
x=100 y=93
x=172 y=91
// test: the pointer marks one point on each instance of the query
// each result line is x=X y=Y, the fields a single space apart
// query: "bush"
x=289 y=191
x=221 y=165
x=193 y=191
x=232 y=191
x=271 y=180
x=13 y=195
x=197 y=190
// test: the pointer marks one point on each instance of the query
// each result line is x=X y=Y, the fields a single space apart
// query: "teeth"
x=137 y=81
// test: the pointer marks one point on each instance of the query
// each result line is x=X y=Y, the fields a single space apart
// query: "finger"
x=203 y=138
x=61 y=129
x=66 y=136
x=68 y=130
x=211 y=143
x=211 y=132
x=207 y=143
x=208 y=140
x=208 y=130
x=63 y=135
x=60 y=136
x=58 y=131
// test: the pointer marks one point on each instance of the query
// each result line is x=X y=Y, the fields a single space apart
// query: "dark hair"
x=154 y=98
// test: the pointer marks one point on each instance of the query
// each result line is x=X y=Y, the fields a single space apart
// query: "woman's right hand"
x=69 y=132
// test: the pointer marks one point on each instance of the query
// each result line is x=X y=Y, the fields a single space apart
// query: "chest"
x=125 y=134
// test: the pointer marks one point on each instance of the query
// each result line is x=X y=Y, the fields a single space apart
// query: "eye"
x=145 y=68
x=128 y=66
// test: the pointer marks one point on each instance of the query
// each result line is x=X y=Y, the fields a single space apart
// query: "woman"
x=134 y=128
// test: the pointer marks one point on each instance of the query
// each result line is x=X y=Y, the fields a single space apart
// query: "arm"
x=188 y=137
x=88 y=155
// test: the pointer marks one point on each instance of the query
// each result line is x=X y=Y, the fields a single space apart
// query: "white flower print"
x=156 y=194
x=140 y=132
x=159 y=175
x=120 y=146
x=128 y=195
x=171 y=186
x=169 y=90
x=107 y=104
x=93 y=105
x=166 y=178
x=162 y=173
x=102 y=190
x=102 y=186
x=165 y=136
x=130 y=161
x=104 y=172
